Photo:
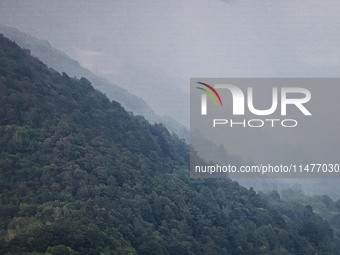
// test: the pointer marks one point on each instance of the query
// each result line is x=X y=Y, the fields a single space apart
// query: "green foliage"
x=321 y=205
x=60 y=250
x=80 y=175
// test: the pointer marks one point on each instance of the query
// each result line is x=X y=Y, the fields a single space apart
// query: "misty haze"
x=95 y=144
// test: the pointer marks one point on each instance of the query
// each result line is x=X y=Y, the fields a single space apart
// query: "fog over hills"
x=80 y=175
x=152 y=48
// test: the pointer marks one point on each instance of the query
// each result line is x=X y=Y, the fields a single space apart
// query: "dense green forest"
x=322 y=205
x=80 y=175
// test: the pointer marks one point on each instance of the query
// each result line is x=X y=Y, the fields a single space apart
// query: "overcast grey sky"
x=153 y=47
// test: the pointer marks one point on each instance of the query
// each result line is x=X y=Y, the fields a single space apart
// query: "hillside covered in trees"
x=80 y=175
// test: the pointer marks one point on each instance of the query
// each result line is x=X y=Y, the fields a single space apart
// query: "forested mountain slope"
x=62 y=63
x=80 y=175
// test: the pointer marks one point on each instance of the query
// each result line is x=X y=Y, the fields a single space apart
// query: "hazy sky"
x=153 y=47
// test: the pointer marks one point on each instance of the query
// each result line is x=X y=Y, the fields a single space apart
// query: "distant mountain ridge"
x=62 y=63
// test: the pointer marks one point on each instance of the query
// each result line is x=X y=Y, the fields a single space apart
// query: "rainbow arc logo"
x=212 y=93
